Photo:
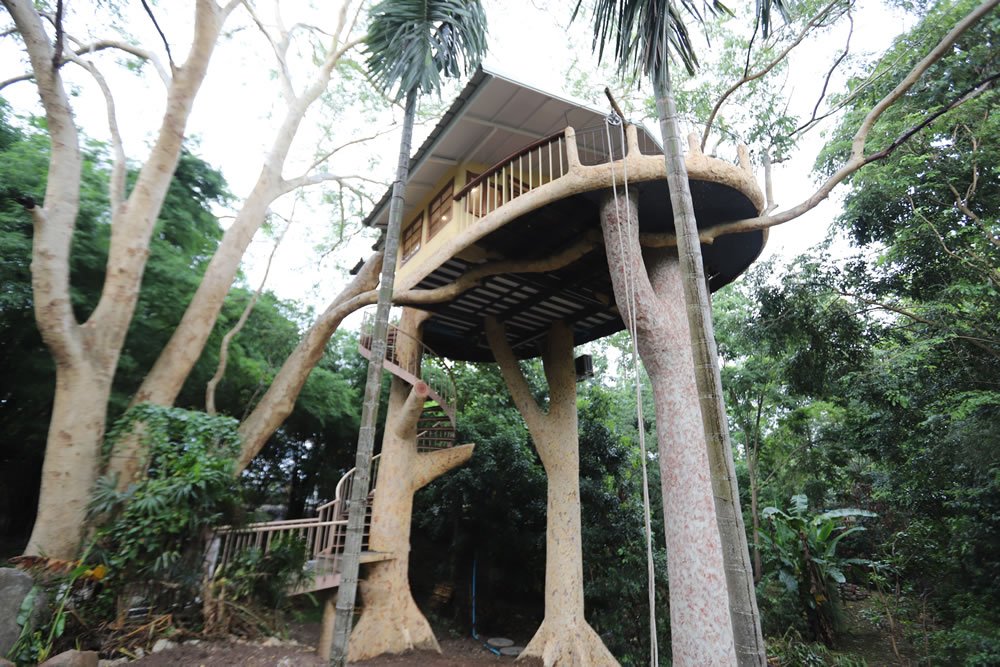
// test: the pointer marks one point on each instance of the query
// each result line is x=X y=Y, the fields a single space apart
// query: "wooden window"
x=440 y=214
x=412 y=235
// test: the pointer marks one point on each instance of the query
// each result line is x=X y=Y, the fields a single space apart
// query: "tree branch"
x=220 y=370
x=116 y=186
x=962 y=206
x=512 y=375
x=747 y=78
x=989 y=345
x=857 y=160
x=54 y=222
x=137 y=51
x=280 y=50
x=279 y=400
x=166 y=44
x=305 y=180
x=473 y=277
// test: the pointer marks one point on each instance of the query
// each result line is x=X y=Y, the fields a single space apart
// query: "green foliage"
x=254 y=576
x=790 y=649
x=152 y=533
x=413 y=44
x=803 y=548
x=647 y=33
x=38 y=642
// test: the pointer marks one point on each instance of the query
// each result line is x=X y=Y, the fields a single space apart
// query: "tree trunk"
x=390 y=620
x=86 y=355
x=758 y=568
x=747 y=635
x=72 y=461
x=565 y=637
x=369 y=410
x=700 y=626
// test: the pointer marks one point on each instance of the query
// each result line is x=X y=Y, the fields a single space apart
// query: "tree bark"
x=749 y=640
x=701 y=630
x=279 y=400
x=565 y=637
x=86 y=355
x=390 y=620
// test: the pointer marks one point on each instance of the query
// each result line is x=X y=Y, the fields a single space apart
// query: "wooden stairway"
x=436 y=427
x=324 y=535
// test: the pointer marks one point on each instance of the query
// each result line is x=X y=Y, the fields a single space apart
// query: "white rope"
x=613 y=119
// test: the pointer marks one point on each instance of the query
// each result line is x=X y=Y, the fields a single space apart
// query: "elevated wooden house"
x=516 y=175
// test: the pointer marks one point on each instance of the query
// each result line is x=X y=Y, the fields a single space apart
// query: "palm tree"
x=645 y=34
x=412 y=45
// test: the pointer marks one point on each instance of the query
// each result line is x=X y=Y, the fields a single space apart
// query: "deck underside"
x=580 y=293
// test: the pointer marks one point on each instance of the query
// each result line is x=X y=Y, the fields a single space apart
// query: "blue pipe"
x=474 y=635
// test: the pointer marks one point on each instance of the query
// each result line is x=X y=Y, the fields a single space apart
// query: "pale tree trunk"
x=700 y=626
x=279 y=400
x=749 y=640
x=86 y=355
x=347 y=592
x=171 y=369
x=390 y=620
x=565 y=637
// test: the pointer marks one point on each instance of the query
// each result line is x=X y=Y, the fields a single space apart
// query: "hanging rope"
x=613 y=119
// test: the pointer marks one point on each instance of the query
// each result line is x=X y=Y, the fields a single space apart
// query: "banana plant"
x=803 y=547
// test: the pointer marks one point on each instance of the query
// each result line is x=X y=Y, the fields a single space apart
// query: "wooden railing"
x=536 y=164
x=323 y=536
x=437 y=424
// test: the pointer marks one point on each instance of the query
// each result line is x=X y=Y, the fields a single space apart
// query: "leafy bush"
x=974 y=641
x=804 y=550
x=151 y=535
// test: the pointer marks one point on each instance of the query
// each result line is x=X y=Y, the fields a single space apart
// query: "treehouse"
x=502 y=255
x=503 y=200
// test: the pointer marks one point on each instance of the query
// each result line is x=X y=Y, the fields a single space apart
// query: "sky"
x=532 y=42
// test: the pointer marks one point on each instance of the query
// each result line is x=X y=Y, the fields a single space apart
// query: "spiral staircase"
x=324 y=535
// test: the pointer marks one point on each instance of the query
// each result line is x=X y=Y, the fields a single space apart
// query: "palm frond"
x=647 y=32
x=412 y=44
x=765 y=9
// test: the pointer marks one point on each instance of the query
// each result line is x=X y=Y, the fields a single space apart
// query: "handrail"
x=337 y=493
x=324 y=534
x=442 y=388
x=510 y=158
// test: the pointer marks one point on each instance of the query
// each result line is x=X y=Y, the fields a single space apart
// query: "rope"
x=614 y=119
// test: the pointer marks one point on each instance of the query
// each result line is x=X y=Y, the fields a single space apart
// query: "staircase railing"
x=323 y=535
x=436 y=426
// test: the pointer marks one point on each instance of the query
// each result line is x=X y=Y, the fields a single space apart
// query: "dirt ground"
x=454 y=653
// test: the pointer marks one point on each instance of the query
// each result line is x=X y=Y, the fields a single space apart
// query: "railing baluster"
x=550 y=161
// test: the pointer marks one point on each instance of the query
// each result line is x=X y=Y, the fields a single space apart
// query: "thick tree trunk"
x=747 y=634
x=72 y=461
x=701 y=633
x=86 y=355
x=390 y=620
x=565 y=637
